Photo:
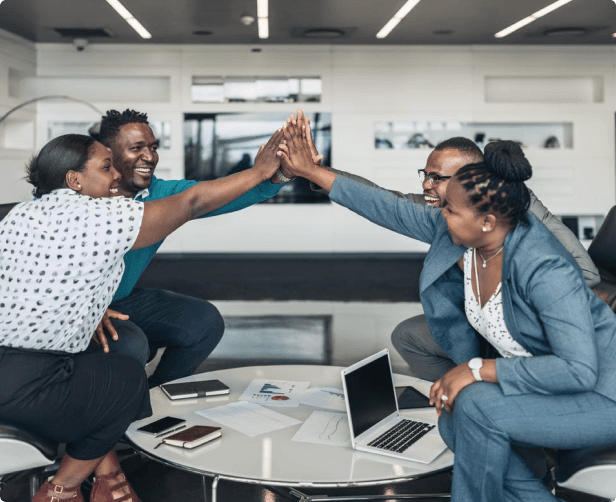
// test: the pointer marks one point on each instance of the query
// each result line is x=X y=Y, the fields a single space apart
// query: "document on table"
x=324 y=397
x=248 y=418
x=325 y=427
x=274 y=392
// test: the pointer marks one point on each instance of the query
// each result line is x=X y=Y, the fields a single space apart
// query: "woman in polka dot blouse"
x=61 y=260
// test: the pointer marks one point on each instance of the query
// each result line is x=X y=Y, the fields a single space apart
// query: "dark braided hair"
x=114 y=120
x=47 y=171
x=496 y=185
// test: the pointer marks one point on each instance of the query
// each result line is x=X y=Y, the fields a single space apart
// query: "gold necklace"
x=485 y=262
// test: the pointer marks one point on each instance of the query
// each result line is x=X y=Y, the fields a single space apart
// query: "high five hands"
x=297 y=153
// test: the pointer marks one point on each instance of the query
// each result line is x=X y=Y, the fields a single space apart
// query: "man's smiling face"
x=135 y=156
x=445 y=162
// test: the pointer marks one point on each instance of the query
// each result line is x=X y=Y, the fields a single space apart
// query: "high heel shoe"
x=56 y=493
x=106 y=484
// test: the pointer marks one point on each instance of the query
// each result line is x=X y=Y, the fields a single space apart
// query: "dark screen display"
x=371 y=394
x=161 y=425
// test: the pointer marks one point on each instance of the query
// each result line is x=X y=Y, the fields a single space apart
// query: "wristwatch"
x=475 y=365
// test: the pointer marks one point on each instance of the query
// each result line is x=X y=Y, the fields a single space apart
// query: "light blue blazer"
x=548 y=308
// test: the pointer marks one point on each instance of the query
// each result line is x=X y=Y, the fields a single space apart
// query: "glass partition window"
x=255 y=89
x=219 y=144
x=55 y=129
x=425 y=134
x=161 y=129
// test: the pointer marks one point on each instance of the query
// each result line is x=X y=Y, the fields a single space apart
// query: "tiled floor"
x=357 y=330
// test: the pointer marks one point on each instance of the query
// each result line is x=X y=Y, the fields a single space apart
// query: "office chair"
x=602 y=251
x=593 y=470
x=24 y=453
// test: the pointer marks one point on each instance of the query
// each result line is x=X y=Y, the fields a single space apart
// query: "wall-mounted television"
x=219 y=144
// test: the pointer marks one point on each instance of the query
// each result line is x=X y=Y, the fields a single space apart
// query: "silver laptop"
x=375 y=422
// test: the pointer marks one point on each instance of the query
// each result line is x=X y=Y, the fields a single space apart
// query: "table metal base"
x=302 y=497
x=325 y=498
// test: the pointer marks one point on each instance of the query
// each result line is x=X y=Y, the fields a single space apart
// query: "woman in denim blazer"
x=560 y=391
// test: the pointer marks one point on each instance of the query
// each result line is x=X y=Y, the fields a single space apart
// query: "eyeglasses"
x=433 y=178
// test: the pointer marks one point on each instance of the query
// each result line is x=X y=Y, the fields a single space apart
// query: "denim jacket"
x=548 y=308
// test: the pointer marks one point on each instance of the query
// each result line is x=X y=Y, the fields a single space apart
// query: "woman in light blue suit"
x=535 y=349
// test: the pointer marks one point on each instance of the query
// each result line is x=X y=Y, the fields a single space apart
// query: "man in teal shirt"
x=188 y=328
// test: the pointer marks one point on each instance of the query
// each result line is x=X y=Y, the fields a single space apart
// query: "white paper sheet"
x=274 y=392
x=325 y=427
x=248 y=418
x=324 y=397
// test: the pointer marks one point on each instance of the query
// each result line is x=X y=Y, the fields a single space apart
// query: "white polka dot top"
x=61 y=261
x=489 y=321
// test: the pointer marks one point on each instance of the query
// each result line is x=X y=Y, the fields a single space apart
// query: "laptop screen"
x=371 y=394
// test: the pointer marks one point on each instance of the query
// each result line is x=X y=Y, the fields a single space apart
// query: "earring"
x=485 y=229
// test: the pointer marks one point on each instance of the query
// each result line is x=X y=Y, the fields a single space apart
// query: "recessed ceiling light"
x=263 y=18
x=129 y=18
x=398 y=16
x=323 y=33
x=531 y=18
x=83 y=32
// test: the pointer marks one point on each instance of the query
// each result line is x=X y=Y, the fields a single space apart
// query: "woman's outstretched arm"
x=161 y=217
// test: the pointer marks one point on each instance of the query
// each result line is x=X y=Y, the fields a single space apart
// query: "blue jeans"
x=188 y=328
x=486 y=426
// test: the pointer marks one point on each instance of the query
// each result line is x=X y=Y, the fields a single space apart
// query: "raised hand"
x=303 y=123
x=295 y=154
x=266 y=160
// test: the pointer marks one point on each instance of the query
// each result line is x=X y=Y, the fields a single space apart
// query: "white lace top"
x=489 y=321
x=61 y=261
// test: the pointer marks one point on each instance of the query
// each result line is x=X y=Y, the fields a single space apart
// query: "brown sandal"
x=56 y=493
x=106 y=484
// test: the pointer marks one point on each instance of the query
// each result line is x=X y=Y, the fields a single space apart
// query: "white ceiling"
x=459 y=21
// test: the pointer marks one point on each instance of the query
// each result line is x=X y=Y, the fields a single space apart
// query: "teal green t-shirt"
x=136 y=261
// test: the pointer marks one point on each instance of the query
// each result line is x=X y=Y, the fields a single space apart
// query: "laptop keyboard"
x=402 y=435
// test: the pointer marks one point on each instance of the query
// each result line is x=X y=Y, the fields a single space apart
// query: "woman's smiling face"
x=464 y=223
x=98 y=178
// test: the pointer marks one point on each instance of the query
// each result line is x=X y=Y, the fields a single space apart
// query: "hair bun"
x=507 y=161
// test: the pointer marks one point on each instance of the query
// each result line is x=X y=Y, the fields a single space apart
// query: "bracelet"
x=282 y=177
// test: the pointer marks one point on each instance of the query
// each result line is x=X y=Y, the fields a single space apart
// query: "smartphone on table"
x=410 y=398
x=163 y=426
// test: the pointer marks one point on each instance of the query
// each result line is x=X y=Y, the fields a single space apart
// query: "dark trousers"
x=85 y=400
x=188 y=328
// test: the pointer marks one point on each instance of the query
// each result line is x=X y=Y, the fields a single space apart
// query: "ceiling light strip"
x=398 y=16
x=263 y=18
x=129 y=18
x=531 y=18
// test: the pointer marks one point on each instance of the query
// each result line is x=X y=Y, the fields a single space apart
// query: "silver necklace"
x=477 y=276
x=485 y=262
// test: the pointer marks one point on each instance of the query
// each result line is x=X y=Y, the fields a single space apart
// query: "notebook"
x=200 y=388
x=192 y=437
x=374 y=420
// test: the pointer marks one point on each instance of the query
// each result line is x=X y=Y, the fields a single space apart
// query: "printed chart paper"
x=248 y=418
x=274 y=392
x=325 y=427
x=324 y=397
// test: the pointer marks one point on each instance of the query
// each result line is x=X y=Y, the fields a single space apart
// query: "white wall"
x=361 y=85
x=17 y=60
